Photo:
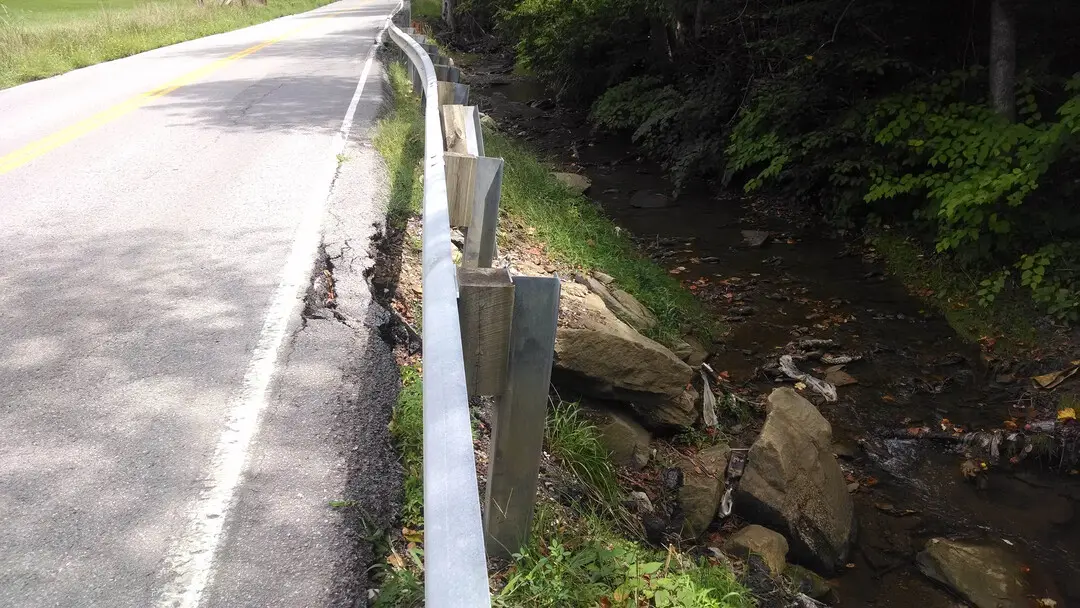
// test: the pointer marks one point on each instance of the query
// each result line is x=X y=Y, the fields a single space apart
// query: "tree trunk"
x=1003 y=58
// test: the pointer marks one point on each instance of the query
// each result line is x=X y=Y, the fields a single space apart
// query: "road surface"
x=172 y=431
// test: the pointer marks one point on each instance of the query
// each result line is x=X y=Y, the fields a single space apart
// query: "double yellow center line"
x=20 y=157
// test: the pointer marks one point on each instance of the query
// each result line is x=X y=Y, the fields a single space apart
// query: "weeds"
x=575 y=443
x=43 y=43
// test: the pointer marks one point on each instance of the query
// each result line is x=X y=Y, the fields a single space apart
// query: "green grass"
x=399 y=138
x=575 y=443
x=947 y=288
x=42 y=38
x=407 y=429
x=579 y=234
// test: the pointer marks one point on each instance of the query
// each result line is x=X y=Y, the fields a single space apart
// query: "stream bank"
x=785 y=282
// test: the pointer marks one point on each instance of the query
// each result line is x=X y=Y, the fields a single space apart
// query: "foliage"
x=49 y=37
x=588 y=566
x=867 y=113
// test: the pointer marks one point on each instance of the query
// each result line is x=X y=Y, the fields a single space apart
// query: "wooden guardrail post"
x=517 y=433
x=485 y=307
x=483 y=227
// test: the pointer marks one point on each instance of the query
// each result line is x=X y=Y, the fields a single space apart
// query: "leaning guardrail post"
x=448 y=73
x=517 y=433
x=455 y=565
x=460 y=187
x=484 y=221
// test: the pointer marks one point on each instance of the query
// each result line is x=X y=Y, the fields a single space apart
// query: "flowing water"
x=914 y=369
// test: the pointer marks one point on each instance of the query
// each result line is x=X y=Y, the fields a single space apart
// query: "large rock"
x=758 y=540
x=793 y=484
x=988 y=577
x=602 y=357
x=624 y=305
x=623 y=437
x=702 y=488
x=578 y=183
x=690 y=350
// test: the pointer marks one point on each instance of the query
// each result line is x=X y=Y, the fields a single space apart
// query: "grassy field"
x=42 y=38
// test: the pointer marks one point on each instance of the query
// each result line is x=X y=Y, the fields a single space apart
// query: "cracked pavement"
x=138 y=262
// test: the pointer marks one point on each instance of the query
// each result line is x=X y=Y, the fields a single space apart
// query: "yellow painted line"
x=49 y=143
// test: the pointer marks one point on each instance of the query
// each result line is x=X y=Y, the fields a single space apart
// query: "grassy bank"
x=1008 y=320
x=587 y=554
x=42 y=38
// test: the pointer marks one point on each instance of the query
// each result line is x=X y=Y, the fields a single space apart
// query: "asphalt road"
x=172 y=431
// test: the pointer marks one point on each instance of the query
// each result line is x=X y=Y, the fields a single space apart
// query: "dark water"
x=914 y=369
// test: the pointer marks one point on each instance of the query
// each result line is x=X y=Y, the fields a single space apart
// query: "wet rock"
x=758 y=540
x=690 y=350
x=599 y=356
x=793 y=484
x=578 y=183
x=647 y=199
x=840 y=378
x=624 y=305
x=802 y=600
x=988 y=577
x=755 y=238
x=807 y=581
x=623 y=437
x=702 y=488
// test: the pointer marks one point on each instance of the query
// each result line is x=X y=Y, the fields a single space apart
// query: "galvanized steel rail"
x=455 y=564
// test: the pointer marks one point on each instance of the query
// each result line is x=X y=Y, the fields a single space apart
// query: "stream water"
x=914 y=369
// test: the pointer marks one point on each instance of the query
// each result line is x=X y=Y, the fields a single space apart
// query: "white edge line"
x=190 y=561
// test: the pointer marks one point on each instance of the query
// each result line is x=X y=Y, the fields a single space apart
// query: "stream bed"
x=801 y=284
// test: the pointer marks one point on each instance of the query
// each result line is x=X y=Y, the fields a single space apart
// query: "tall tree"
x=1003 y=58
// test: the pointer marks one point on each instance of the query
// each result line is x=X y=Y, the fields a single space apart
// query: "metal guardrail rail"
x=455 y=563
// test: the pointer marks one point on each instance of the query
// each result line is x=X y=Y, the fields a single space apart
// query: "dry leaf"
x=1066 y=414
x=396 y=561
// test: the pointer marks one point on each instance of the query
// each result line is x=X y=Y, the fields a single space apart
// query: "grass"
x=577 y=233
x=427 y=10
x=946 y=287
x=42 y=38
x=575 y=443
x=399 y=138
x=407 y=429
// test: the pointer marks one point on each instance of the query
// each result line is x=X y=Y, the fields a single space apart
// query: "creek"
x=914 y=369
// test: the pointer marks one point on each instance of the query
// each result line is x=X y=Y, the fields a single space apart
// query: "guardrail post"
x=517 y=433
x=460 y=187
x=485 y=306
x=448 y=73
x=461 y=129
x=453 y=93
x=483 y=227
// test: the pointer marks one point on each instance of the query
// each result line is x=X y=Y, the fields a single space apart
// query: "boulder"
x=578 y=183
x=807 y=581
x=621 y=303
x=599 y=356
x=691 y=351
x=793 y=484
x=702 y=488
x=758 y=540
x=606 y=279
x=647 y=199
x=623 y=437
x=988 y=577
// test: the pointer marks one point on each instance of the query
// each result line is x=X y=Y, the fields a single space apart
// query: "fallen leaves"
x=1066 y=414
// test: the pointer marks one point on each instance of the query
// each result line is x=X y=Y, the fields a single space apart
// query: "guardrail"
x=485 y=334
x=455 y=564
